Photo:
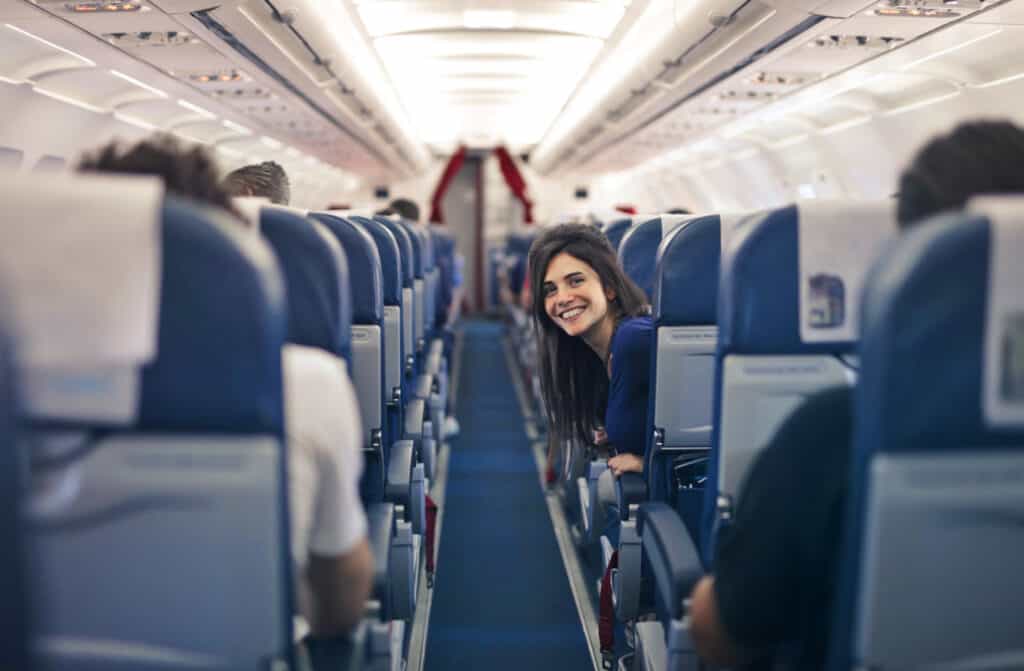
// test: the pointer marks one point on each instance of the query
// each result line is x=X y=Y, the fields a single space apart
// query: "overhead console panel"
x=724 y=59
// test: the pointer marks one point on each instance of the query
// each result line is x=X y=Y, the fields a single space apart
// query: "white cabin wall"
x=860 y=161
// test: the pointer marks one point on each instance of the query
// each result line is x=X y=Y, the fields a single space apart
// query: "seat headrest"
x=418 y=253
x=426 y=244
x=615 y=230
x=791 y=278
x=942 y=350
x=133 y=311
x=686 y=282
x=390 y=259
x=363 y=265
x=404 y=249
x=638 y=250
x=316 y=278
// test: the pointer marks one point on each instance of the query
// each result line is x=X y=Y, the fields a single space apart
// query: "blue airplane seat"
x=682 y=370
x=181 y=503
x=391 y=274
x=682 y=376
x=930 y=571
x=419 y=270
x=615 y=230
x=316 y=278
x=768 y=360
x=406 y=255
x=638 y=250
x=14 y=625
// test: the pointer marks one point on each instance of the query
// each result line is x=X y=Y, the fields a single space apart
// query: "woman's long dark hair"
x=573 y=378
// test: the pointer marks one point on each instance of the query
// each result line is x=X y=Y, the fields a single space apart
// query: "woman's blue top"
x=625 y=418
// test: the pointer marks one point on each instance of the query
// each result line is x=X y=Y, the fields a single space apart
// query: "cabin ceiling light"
x=196 y=109
x=222 y=76
x=142 y=85
x=50 y=44
x=105 y=6
x=489 y=19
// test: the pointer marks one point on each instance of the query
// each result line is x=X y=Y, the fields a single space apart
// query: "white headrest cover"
x=838 y=241
x=249 y=207
x=1003 y=379
x=80 y=266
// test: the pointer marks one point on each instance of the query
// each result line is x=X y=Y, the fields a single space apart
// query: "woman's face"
x=573 y=296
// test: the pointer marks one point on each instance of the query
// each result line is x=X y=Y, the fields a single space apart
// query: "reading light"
x=107 y=6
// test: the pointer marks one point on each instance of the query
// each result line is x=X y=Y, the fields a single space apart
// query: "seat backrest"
x=366 y=288
x=315 y=272
x=787 y=320
x=405 y=250
x=157 y=479
x=391 y=275
x=444 y=251
x=419 y=283
x=934 y=535
x=424 y=259
x=616 y=229
x=14 y=630
x=638 y=250
x=684 y=310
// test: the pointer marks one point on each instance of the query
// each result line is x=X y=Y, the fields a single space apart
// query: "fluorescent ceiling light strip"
x=921 y=103
x=132 y=121
x=52 y=45
x=238 y=128
x=197 y=109
x=136 y=82
x=949 y=50
x=270 y=142
x=845 y=125
x=191 y=138
x=790 y=141
x=1000 y=81
x=15 y=82
x=69 y=100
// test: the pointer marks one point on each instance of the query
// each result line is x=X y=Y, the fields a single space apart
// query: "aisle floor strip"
x=425 y=595
x=563 y=534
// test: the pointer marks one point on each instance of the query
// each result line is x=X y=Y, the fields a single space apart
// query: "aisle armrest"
x=414 y=415
x=630 y=489
x=400 y=472
x=380 y=518
x=671 y=555
x=422 y=386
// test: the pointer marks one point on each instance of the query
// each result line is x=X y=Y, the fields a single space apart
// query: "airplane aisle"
x=502 y=600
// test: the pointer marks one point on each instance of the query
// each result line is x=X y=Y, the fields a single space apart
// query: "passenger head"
x=679 y=210
x=406 y=209
x=266 y=180
x=187 y=172
x=977 y=157
x=578 y=285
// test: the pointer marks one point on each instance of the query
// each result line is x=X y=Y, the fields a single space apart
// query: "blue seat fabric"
x=315 y=272
x=637 y=253
x=390 y=260
x=615 y=230
x=364 y=268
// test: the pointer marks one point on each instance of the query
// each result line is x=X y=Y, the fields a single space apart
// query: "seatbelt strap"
x=606 y=623
x=431 y=526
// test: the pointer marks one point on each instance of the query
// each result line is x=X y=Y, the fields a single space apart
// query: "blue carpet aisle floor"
x=502 y=600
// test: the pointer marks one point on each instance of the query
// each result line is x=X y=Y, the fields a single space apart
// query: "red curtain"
x=509 y=171
x=450 y=170
x=515 y=182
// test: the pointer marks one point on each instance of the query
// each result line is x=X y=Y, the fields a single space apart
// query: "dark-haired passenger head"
x=573 y=379
x=189 y=172
x=679 y=210
x=976 y=157
x=266 y=180
x=406 y=209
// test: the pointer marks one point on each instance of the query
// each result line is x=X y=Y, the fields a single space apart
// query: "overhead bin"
x=302 y=42
x=708 y=38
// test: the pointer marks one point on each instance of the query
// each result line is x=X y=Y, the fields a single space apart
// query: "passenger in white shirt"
x=334 y=567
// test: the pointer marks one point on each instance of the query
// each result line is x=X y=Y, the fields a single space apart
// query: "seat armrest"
x=630 y=489
x=380 y=519
x=434 y=356
x=414 y=415
x=670 y=554
x=400 y=472
x=422 y=386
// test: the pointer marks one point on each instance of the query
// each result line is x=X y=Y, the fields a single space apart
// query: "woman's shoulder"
x=633 y=333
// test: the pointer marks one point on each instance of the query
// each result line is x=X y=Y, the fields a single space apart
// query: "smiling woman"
x=595 y=341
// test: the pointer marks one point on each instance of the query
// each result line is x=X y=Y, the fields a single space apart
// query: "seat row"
x=149 y=334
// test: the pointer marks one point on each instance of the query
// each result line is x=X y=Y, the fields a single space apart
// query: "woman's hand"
x=626 y=463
